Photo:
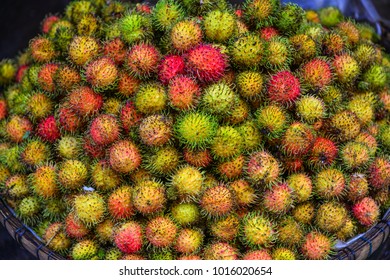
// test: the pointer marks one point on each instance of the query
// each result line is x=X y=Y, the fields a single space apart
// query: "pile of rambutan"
x=196 y=130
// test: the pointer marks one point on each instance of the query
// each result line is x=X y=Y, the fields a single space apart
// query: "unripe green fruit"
x=89 y=208
x=247 y=50
x=218 y=99
x=219 y=25
x=135 y=28
x=331 y=216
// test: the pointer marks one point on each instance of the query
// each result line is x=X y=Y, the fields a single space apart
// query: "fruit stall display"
x=196 y=130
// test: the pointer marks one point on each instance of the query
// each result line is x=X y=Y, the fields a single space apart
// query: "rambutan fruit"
x=149 y=196
x=239 y=114
x=250 y=84
x=84 y=101
x=7 y=71
x=113 y=254
x=272 y=120
x=166 y=13
x=56 y=239
x=119 y=203
x=85 y=249
x=155 y=130
x=257 y=231
x=316 y=73
x=142 y=60
x=83 y=49
x=28 y=209
x=304 y=46
x=231 y=169
x=206 y=63
x=366 y=211
x=39 y=106
x=302 y=186
x=150 y=98
x=163 y=160
x=346 y=68
x=135 y=28
x=183 y=92
x=72 y=174
x=189 y=241
x=331 y=216
x=170 y=67
x=217 y=201
x=197 y=158
x=290 y=232
x=3 y=109
x=361 y=107
x=16 y=186
x=290 y=18
x=35 y=153
x=129 y=237
x=330 y=16
x=48 y=130
x=364 y=54
x=220 y=251
x=225 y=228
x=283 y=88
x=89 y=208
x=42 y=49
x=129 y=116
x=116 y=50
x=185 y=35
x=333 y=43
x=124 y=156
x=298 y=139
x=283 y=253
x=101 y=73
x=196 y=129
x=219 y=25
x=304 y=212
x=104 y=129
x=269 y=32
x=185 y=213
x=349 y=30
x=278 y=53
x=278 y=199
x=316 y=246
x=329 y=183
x=226 y=143
x=161 y=231
x=357 y=187
x=261 y=254
x=323 y=153
x=88 y=25
x=66 y=78
x=18 y=128
x=219 y=99
x=92 y=150
x=245 y=195
x=127 y=84
x=374 y=78
x=103 y=177
x=354 y=156
x=348 y=230
x=74 y=228
x=48 y=22
x=379 y=173
x=105 y=231
x=250 y=134
x=260 y=11
x=262 y=168
x=345 y=125
x=247 y=50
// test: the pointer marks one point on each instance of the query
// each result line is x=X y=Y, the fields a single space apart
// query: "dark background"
x=20 y=21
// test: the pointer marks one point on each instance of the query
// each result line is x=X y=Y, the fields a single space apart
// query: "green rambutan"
x=272 y=120
x=257 y=231
x=163 y=161
x=56 y=239
x=354 y=155
x=226 y=143
x=247 y=50
x=196 y=129
x=185 y=35
x=219 y=25
x=346 y=68
x=282 y=253
x=166 y=13
x=89 y=208
x=250 y=84
x=84 y=250
x=329 y=183
x=298 y=139
x=28 y=209
x=150 y=98
x=103 y=177
x=290 y=232
x=330 y=16
x=185 y=213
x=72 y=174
x=83 y=49
x=304 y=212
x=135 y=28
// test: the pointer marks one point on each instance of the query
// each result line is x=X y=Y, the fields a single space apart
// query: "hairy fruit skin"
x=129 y=237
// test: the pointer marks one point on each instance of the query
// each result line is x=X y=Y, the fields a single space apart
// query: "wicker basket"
x=358 y=248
